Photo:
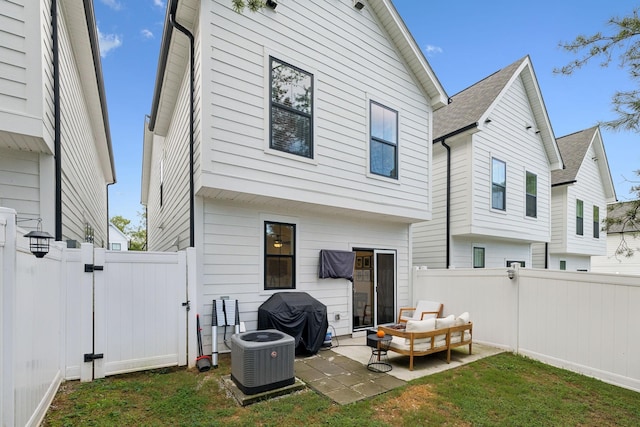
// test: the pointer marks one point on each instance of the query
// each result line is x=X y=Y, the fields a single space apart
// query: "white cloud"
x=431 y=50
x=108 y=42
x=147 y=34
x=114 y=4
x=158 y=3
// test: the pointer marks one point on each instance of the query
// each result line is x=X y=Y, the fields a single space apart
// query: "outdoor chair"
x=423 y=310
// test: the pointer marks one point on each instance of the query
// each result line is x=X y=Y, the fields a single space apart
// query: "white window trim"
x=385 y=102
x=480 y=246
x=300 y=63
x=506 y=179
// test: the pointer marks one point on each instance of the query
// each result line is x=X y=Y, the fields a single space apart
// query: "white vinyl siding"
x=83 y=180
x=496 y=253
x=352 y=60
x=502 y=139
x=618 y=264
x=590 y=190
x=20 y=184
x=233 y=257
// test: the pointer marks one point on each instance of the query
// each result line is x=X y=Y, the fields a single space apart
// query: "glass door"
x=374 y=288
x=385 y=280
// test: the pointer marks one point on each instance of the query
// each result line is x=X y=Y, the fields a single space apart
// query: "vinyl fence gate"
x=131 y=312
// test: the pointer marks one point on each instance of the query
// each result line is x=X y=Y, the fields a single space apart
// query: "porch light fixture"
x=38 y=239
x=511 y=273
x=277 y=243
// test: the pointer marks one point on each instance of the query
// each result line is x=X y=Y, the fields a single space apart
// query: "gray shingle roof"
x=573 y=148
x=468 y=106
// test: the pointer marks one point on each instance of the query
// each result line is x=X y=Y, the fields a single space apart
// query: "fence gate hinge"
x=187 y=305
x=90 y=268
x=90 y=357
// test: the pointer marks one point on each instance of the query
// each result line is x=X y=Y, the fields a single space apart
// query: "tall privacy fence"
x=84 y=314
x=584 y=322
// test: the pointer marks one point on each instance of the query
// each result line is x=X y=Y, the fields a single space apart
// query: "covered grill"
x=297 y=314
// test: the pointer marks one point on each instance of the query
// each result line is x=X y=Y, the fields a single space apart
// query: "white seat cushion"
x=423 y=306
x=444 y=323
x=420 y=326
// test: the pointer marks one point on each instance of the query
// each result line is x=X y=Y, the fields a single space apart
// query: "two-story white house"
x=311 y=130
x=580 y=194
x=55 y=146
x=623 y=241
x=493 y=153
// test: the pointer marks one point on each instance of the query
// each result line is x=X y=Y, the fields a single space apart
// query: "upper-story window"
x=498 y=184
x=291 y=109
x=579 y=217
x=279 y=255
x=596 y=222
x=532 y=195
x=384 y=140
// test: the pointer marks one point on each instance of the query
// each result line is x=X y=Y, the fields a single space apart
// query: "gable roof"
x=574 y=148
x=169 y=72
x=470 y=108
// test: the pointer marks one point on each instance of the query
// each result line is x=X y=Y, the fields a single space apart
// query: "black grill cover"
x=297 y=314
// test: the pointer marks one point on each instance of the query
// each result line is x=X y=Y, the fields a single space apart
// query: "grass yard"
x=500 y=390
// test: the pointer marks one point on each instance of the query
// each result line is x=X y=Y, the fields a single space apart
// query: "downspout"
x=57 y=149
x=448 y=208
x=546 y=255
x=442 y=140
x=183 y=30
x=108 y=219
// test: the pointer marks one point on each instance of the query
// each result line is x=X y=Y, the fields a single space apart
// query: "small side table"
x=379 y=362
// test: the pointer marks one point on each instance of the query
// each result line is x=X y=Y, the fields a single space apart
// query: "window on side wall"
x=498 y=184
x=478 y=257
x=291 y=109
x=563 y=265
x=596 y=222
x=279 y=255
x=532 y=195
x=579 y=217
x=115 y=247
x=383 y=157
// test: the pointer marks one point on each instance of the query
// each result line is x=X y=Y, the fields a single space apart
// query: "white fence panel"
x=585 y=322
x=142 y=314
x=75 y=281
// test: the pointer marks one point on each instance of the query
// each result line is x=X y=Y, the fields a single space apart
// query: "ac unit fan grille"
x=262 y=336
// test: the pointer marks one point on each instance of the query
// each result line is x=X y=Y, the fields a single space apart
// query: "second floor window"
x=532 y=195
x=596 y=222
x=579 y=217
x=498 y=184
x=384 y=141
x=291 y=109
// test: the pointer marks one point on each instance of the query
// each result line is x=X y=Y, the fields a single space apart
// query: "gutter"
x=442 y=140
x=183 y=30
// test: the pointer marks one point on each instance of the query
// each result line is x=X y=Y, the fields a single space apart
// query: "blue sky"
x=464 y=42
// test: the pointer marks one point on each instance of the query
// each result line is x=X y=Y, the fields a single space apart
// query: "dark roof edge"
x=162 y=62
x=97 y=64
x=456 y=132
x=557 y=184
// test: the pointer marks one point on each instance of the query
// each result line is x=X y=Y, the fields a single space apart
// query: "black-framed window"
x=579 y=217
x=596 y=222
x=478 y=257
x=563 y=265
x=383 y=128
x=291 y=109
x=279 y=255
x=522 y=263
x=532 y=195
x=498 y=184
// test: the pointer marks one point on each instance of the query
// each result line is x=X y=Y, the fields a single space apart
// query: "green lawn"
x=500 y=390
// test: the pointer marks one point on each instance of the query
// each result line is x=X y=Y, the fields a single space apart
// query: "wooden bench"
x=422 y=343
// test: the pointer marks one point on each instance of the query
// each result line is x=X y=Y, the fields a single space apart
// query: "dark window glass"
x=279 y=255
x=291 y=109
x=532 y=195
x=384 y=141
x=579 y=217
x=498 y=184
x=478 y=257
x=596 y=222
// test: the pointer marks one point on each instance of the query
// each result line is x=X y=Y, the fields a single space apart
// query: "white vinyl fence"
x=584 y=322
x=84 y=314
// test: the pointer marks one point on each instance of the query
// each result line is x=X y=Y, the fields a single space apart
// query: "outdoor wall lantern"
x=511 y=273
x=38 y=239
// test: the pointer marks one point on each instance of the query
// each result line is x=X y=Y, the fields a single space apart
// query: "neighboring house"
x=55 y=148
x=624 y=236
x=311 y=131
x=493 y=153
x=579 y=197
x=118 y=241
